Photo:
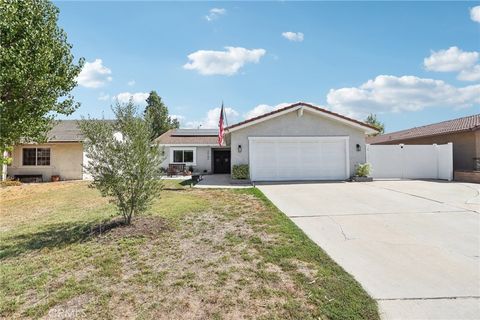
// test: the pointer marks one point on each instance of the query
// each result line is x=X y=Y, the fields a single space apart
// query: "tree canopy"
x=157 y=112
x=374 y=122
x=37 y=70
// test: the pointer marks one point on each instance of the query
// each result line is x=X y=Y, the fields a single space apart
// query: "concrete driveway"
x=413 y=245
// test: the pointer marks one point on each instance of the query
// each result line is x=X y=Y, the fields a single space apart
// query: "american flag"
x=221 y=130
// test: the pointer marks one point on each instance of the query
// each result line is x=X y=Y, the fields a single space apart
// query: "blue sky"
x=411 y=63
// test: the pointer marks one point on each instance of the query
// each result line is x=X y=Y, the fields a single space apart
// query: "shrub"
x=123 y=162
x=10 y=183
x=362 y=169
x=241 y=171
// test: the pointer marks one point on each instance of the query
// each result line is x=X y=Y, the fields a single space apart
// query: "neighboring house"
x=61 y=155
x=297 y=142
x=464 y=133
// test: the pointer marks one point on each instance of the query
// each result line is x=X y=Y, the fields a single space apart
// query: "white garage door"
x=298 y=158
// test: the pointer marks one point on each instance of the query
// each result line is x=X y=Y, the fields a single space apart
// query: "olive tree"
x=122 y=160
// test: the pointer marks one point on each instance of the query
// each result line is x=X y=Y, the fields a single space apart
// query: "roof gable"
x=296 y=106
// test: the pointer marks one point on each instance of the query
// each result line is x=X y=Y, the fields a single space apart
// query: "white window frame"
x=36 y=159
x=194 y=163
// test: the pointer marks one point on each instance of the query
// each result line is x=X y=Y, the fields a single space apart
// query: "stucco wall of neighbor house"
x=203 y=158
x=65 y=160
x=466 y=146
x=290 y=124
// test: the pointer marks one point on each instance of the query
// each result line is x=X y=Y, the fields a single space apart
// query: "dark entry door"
x=221 y=161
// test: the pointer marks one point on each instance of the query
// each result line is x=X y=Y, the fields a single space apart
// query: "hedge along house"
x=298 y=142
x=62 y=155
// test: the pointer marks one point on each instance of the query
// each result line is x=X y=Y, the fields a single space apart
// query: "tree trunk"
x=4 y=166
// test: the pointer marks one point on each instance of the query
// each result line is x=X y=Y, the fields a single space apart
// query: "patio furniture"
x=175 y=169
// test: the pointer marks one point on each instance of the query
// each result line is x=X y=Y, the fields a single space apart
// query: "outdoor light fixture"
x=359 y=147
x=239 y=148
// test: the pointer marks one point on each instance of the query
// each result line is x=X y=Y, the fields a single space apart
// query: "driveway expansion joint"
x=428 y=298
x=320 y=215
x=426 y=198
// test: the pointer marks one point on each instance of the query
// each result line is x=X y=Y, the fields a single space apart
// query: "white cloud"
x=94 y=74
x=450 y=60
x=208 y=62
x=210 y=121
x=103 y=97
x=475 y=14
x=214 y=13
x=131 y=83
x=293 y=36
x=264 y=108
x=180 y=118
x=455 y=60
x=395 y=94
x=472 y=74
x=177 y=116
x=137 y=97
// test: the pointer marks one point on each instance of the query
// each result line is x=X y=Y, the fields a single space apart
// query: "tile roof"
x=469 y=123
x=189 y=136
x=300 y=104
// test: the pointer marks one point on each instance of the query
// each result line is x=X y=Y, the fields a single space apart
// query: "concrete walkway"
x=221 y=181
x=413 y=245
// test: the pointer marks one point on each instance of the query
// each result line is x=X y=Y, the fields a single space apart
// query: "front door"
x=221 y=161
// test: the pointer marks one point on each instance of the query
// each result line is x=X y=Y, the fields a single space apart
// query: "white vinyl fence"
x=411 y=161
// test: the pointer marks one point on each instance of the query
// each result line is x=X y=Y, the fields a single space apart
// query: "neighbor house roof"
x=469 y=123
x=65 y=131
x=298 y=105
x=189 y=137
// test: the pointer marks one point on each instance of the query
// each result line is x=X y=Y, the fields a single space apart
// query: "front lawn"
x=198 y=254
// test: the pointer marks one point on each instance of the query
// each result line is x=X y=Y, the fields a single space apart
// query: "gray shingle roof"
x=65 y=131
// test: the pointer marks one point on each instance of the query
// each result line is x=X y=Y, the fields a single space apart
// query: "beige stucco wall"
x=290 y=124
x=65 y=160
x=466 y=146
x=203 y=158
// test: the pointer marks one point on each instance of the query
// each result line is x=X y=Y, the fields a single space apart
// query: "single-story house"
x=298 y=142
x=61 y=155
x=464 y=133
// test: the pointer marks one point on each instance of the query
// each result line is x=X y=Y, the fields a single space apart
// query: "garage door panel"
x=298 y=158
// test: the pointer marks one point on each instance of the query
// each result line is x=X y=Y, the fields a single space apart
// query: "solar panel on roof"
x=195 y=132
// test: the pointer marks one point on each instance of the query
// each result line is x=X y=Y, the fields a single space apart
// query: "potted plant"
x=362 y=170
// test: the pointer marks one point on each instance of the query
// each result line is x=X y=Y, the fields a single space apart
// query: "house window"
x=36 y=156
x=183 y=155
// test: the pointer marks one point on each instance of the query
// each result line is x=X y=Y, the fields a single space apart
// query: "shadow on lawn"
x=54 y=236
